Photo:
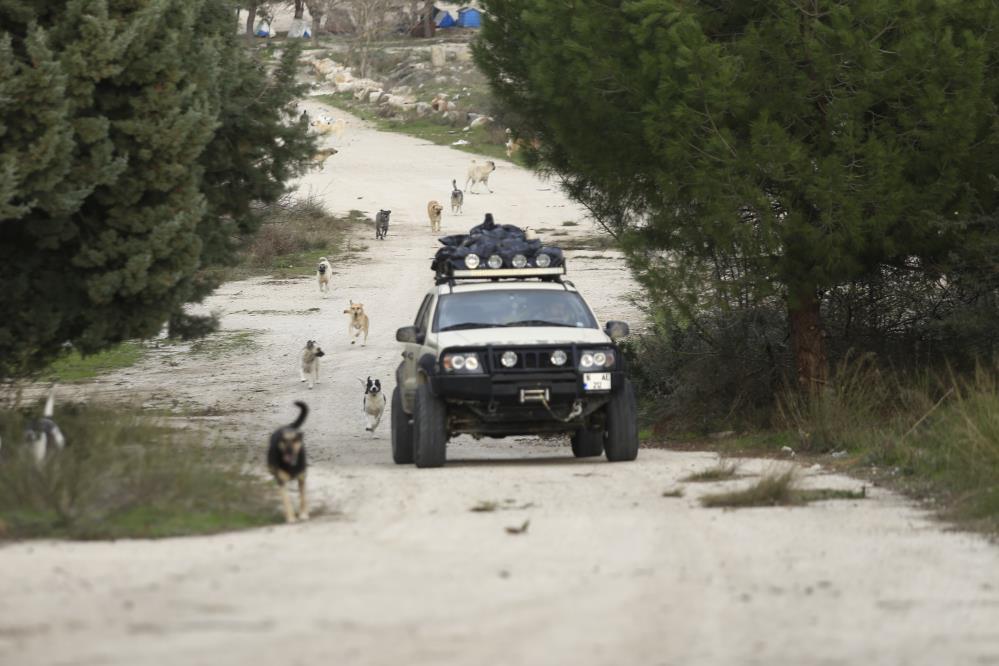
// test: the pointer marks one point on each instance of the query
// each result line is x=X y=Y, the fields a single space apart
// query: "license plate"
x=596 y=381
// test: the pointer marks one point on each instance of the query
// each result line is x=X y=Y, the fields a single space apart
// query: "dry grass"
x=777 y=488
x=124 y=474
x=723 y=471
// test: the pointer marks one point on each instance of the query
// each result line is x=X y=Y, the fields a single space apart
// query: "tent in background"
x=445 y=20
x=469 y=17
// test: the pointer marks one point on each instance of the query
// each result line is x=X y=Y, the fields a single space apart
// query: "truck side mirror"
x=616 y=329
x=408 y=334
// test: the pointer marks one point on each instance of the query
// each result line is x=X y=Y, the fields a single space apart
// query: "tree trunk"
x=299 y=9
x=251 y=15
x=808 y=343
x=428 y=19
x=316 y=20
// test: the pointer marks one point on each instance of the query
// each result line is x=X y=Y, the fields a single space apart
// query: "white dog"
x=310 y=363
x=479 y=173
x=374 y=404
x=324 y=272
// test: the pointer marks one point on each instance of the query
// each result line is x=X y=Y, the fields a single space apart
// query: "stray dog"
x=320 y=157
x=358 y=322
x=324 y=271
x=434 y=210
x=310 y=362
x=457 y=198
x=286 y=461
x=43 y=434
x=374 y=404
x=381 y=224
x=479 y=173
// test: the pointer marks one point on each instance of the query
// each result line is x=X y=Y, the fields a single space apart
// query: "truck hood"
x=526 y=335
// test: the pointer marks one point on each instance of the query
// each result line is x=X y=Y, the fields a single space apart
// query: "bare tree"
x=317 y=10
x=373 y=19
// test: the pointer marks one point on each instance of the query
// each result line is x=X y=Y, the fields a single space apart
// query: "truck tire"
x=429 y=429
x=587 y=443
x=621 y=443
x=402 y=432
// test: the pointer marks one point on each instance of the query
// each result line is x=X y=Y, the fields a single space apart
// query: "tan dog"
x=434 y=210
x=324 y=272
x=358 y=322
x=320 y=157
x=479 y=173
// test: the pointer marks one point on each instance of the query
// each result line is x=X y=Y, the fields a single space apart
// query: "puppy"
x=374 y=404
x=434 y=210
x=381 y=224
x=324 y=273
x=479 y=173
x=310 y=362
x=286 y=462
x=457 y=198
x=358 y=322
x=43 y=434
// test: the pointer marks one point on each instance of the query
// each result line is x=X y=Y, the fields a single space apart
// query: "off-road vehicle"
x=502 y=345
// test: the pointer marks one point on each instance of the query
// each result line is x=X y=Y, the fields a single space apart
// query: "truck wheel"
x=429 y=429
x=402 y=432
x=622 y=425
x=587 y=443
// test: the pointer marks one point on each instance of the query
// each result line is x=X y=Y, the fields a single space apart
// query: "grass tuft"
x=74 y=367
x=723 y=471
x=777 y=488
x=674 y=492
x=124 y=475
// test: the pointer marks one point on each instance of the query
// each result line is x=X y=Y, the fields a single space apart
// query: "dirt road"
x=399 y=571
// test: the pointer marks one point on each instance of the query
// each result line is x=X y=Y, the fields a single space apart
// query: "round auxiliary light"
x=508 y=359
x=472 y=362
x=519 y=261
x=586 y=360
x=495 y=261
x=600 y=358
x=558 y=357
x=472 y=260
x=543 y=261
x=457 y=361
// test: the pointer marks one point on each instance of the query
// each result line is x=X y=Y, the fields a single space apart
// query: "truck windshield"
x=513 y=307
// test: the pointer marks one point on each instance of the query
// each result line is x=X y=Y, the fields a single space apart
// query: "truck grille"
x=533 y=359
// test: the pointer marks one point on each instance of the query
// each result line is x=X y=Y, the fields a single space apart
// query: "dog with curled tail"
x=286 y=462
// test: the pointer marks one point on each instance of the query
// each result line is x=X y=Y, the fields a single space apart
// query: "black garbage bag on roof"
x=484 y=240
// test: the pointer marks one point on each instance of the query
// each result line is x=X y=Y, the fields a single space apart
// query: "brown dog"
x=358 y=322
x=434 y=210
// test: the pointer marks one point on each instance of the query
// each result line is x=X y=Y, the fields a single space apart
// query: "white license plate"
x=596 y=381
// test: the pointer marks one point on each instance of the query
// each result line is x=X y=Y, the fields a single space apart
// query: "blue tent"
x=445 y=20
x=469 y=17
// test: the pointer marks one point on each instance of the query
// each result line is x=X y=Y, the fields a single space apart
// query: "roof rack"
x=553 y=273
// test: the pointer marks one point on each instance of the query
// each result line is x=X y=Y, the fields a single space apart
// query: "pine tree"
x=804 y=144
x=114 y=192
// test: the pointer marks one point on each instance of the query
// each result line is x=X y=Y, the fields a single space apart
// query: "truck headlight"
x=461 y=362
x=495 y=261
x=559 y=357
x=597 y=359
x=508 y=359
x=472 y=260
x=519 y=261
x=543 y=261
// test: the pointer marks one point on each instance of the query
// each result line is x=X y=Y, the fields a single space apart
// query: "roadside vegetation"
x=74 y=367
x=124 y=474
x=777 y=487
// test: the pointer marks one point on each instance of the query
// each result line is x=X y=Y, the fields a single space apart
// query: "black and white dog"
x=374 y=404
x=381 y=224
x=43 y=434
x=286 y=461
x=457 y=198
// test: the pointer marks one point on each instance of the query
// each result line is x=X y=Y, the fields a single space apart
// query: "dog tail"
x=50 y=404
x=303 y=412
